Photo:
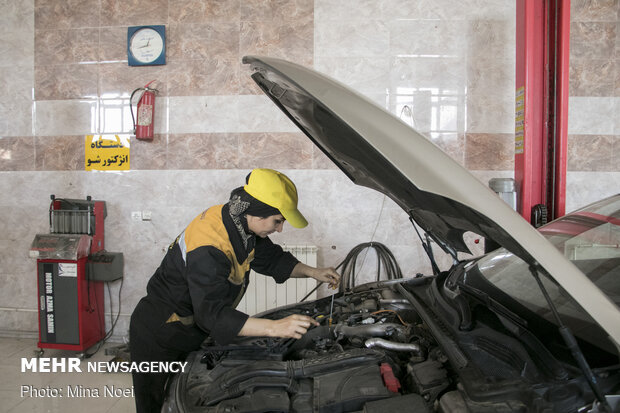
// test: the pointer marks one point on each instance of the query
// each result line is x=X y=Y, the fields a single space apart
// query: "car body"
x=533 y=326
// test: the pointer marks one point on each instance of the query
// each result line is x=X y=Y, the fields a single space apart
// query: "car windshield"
x=590 y=238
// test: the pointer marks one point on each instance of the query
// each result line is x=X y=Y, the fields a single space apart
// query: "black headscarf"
x=241 y=204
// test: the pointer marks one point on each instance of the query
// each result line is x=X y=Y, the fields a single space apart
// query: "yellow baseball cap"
x=277 y=190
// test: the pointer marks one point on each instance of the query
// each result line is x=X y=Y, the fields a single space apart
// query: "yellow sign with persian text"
x=106 y=153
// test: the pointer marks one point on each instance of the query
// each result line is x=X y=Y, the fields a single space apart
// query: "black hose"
x=385 y=259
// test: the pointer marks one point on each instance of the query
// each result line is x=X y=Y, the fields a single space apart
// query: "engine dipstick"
x=331 y=310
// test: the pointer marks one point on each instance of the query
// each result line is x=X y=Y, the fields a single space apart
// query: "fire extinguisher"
x=145 y=112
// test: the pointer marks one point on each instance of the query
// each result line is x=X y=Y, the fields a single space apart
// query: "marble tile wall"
x=594 y=83
x=444 y=67
x=594 y=102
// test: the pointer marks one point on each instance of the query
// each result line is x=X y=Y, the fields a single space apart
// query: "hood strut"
x=571 y=343
x=426 y=244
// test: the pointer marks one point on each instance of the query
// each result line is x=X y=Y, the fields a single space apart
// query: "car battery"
x=72 y=267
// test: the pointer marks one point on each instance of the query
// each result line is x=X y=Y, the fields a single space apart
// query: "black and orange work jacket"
x=205 y=272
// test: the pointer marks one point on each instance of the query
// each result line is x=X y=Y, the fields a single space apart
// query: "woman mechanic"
x=204 y=274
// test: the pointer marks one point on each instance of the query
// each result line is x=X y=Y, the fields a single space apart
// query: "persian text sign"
x=106 y=153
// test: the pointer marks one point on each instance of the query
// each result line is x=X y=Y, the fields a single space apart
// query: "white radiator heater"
x=264 y=294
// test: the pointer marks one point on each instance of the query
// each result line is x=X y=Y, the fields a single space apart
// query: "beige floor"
x=14 y=397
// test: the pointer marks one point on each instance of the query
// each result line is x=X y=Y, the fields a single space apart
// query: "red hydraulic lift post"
x=541 y=109
x=562 y=45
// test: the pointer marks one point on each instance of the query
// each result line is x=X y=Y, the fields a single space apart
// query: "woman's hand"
x=326 y=275
x=293 y=326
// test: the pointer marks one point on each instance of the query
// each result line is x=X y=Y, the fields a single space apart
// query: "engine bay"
x=377 y=354
x=340 y=367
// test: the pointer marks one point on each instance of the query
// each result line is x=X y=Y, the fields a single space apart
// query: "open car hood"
x=377 y=150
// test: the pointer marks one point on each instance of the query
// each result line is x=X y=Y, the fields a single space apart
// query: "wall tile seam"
x=576 y=18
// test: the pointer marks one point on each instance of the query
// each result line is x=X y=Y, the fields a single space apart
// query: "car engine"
x=379 y=351
x=373 y=355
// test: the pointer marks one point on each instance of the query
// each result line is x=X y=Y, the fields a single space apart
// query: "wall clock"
x=146 y=45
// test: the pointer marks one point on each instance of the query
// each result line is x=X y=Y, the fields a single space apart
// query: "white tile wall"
x=593 y=115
